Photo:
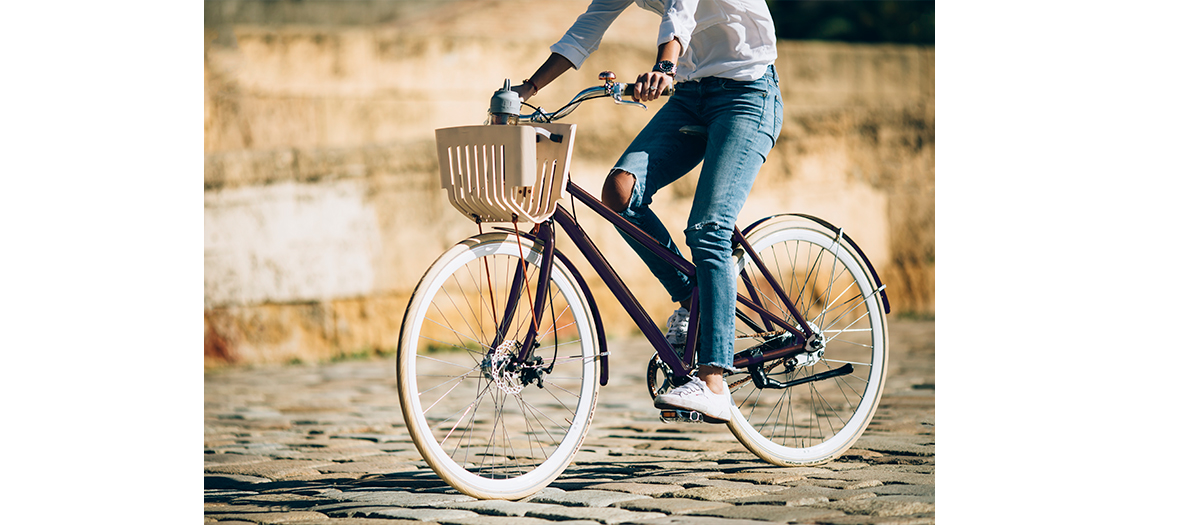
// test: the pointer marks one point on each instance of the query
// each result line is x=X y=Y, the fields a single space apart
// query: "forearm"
x=553 y=67
x=669 y=51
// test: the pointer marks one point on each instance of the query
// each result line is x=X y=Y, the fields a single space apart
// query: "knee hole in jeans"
x=616 y=190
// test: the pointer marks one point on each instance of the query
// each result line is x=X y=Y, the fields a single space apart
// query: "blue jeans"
x=742 y=120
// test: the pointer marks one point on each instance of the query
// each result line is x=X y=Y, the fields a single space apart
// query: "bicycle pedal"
x=681 y=416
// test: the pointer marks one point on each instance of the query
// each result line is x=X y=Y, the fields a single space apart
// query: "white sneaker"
x=677 y=327
x=694 y=395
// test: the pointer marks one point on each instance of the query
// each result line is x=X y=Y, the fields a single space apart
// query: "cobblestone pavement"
x=325 y=444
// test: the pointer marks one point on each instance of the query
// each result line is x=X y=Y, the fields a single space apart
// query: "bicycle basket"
x=498 y=173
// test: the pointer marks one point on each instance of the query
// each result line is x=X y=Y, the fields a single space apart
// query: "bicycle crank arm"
x=761 y=381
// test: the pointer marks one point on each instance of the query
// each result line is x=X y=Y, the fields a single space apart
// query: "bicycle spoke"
x=457 y=380
x=466 y=301
x=560 y=402
x=448 y=363
x=470 y=406
x=848 y=362
x=832 y=275
x=854 y=321
x=526 y=408
x=830 y=302
x=546 y=416
x=448 y=327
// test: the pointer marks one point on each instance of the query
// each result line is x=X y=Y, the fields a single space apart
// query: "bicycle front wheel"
x=817 y=419
x=491 y=428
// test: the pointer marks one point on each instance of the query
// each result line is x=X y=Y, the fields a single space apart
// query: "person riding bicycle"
x=720 y=55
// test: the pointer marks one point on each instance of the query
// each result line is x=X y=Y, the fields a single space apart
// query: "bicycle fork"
x=522 y=358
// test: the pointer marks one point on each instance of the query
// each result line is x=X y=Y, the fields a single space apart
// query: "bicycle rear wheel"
x=489 y=428
x=832 y=286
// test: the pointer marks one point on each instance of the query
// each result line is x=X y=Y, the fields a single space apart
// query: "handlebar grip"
x=629 y=90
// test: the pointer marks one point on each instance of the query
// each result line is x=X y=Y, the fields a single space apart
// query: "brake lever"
x=616 y=93
x=615 y=90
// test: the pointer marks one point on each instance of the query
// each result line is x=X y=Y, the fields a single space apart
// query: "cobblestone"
x=417 y=514
x=587 y=498
x=697 y=520
x=670 y=505
x=713 y=493
x=500 y=520
x=277 y=469
x=324 y=444
x=268 y=517
x=601 y=515
x=806 y=495
x=886 y=505
x=645 y=489
x=762 y=478
x=772 y=513
x=499 y=507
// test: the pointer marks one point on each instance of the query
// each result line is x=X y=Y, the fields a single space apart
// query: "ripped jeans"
x=742 y=120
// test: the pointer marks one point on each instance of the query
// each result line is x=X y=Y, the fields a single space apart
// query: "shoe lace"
x=678 y=323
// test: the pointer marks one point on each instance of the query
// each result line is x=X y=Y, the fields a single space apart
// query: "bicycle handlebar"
x=629 y=90
x=611 y=89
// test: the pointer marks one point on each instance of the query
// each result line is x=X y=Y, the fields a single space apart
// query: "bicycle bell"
x=505 y=106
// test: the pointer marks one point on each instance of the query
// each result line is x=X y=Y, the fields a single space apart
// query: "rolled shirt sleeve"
x=679 y=21
x=583 y=37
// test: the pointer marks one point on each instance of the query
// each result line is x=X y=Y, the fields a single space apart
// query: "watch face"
x=665 y=66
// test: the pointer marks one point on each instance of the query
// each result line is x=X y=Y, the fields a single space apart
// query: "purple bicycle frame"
x=680 y=366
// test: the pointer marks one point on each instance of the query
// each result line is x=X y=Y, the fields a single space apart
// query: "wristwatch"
x=666 y=67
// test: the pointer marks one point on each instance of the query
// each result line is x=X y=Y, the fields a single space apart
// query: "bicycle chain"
x=740 y=382
x=765 y=335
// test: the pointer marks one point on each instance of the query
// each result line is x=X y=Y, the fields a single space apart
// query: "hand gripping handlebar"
x=610 y=88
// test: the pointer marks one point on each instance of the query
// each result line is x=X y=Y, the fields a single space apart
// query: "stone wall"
x=322 y=203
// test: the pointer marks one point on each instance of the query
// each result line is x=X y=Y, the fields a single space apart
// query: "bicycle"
x=506 y=325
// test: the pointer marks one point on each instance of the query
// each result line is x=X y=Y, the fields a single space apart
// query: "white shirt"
x=718 y=38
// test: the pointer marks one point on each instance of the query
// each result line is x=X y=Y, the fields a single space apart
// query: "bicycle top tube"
x=615 y=90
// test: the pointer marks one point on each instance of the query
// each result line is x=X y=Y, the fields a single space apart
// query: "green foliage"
x=860 y=21
x=469 y=346
x=916 y=316
x=362 y=354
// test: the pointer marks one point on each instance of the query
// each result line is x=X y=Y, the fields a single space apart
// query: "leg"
x=616 y=194
x=658 y=156
x=744 y=119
